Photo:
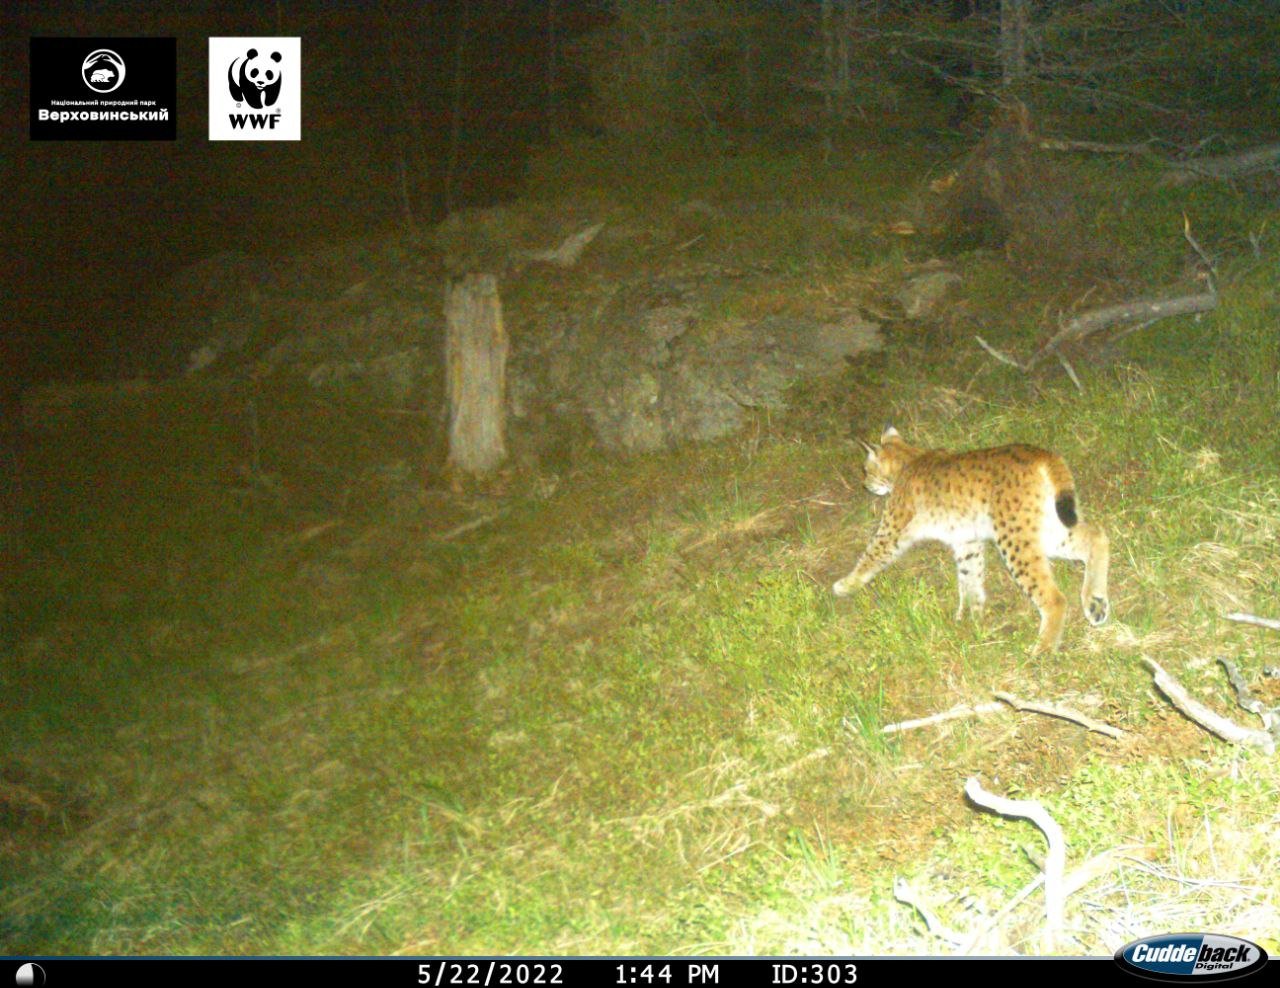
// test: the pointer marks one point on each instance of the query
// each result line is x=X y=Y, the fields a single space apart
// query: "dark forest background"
x=415 y=109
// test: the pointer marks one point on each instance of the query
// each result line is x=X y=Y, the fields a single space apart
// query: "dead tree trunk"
x=476 y=368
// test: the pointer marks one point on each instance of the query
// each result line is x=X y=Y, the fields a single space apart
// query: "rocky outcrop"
x=639 y=356
x=662 y=377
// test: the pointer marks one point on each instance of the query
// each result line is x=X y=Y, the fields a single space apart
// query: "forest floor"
x=258 y=704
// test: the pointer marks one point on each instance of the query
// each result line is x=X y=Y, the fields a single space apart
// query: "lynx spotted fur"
x=1020 y=497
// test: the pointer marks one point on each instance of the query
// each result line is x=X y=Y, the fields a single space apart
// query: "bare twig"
x=243 y=665
x=314 y=531
x=1065 y=713
x=1261 y=622
x=1255 y=241
x=406 y=200
x=1000 y=355
x=1167 y=875
x=1143 y=311
x=1200 y=145
x=570 y=249
x=1098 y=95
x=1102 y=864
x=961 y=712
x=1095 y=147
x=1246 y=700
x=966 y=711
x=1212 y=722
x=466 y=526
x=1072 y=882
x=980 y=935
x=1055 y=861
x=1137 y=327
x=904 y=893
x=1210 y=270
x=1071 y=372
x=415 y=413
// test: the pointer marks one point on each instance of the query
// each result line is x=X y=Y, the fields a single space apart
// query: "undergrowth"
x=622 y=713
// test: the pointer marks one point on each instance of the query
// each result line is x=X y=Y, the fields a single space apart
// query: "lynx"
x=1020 y=497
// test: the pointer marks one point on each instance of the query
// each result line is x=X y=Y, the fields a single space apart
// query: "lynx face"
x=885 y=461
x=1020 y=497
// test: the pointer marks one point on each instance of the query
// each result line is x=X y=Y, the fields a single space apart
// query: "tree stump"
x=476 y=372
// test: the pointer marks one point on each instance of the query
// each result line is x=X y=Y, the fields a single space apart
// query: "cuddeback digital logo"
x=1202 y=956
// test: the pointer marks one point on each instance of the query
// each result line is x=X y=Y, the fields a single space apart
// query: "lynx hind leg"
x=1088 y=543
x=971 y=565
x=1031 y=570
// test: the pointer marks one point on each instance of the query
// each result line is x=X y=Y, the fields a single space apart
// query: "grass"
x=626 y=715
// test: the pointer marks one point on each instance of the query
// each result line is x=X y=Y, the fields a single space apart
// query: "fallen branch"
x=1065 y=713
x=1088 y=323
x=963 y=711
x=1220 y=166
x=1247 y=701
x=1141 y=313
x=1095 y=147
x=1212 y=722
x=1261 y=622
x=1055 y=861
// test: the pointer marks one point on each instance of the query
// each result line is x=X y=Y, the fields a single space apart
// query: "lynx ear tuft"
x=889 y=432
x=870 y=449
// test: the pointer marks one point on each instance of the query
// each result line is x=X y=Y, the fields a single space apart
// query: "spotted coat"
x=1022 y=498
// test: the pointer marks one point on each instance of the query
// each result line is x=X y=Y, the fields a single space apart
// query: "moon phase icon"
x=30 y=974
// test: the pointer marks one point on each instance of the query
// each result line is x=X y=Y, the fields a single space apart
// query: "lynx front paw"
x=1097 y=610
x=843 y=588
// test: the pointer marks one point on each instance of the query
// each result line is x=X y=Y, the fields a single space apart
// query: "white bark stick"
x=1212 y=722
x=1055 y=861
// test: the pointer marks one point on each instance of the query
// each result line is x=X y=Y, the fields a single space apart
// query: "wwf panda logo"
x=255 y=80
